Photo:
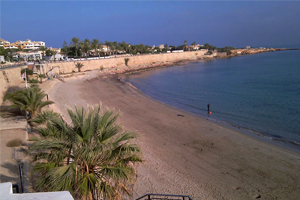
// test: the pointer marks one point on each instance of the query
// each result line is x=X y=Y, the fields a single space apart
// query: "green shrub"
x=126 y=61
x=28 y=72
x=33 y=81
x=15 y=143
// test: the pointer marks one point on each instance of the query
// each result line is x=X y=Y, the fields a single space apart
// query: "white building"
x=2 y=59
x=30 y=56
x=57 y=56
x=28 y=44
x=6 y=192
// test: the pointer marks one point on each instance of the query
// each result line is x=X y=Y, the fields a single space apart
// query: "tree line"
x=79 y=48
x=83 y=48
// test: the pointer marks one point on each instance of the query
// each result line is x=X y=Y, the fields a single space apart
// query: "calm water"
x=260 y=93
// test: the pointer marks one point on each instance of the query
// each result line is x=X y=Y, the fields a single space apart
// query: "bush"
x=28 y=72
x=126 y=61
x=33 y=81
x=15 y=143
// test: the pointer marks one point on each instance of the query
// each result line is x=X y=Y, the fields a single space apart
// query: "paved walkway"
x=10 y=157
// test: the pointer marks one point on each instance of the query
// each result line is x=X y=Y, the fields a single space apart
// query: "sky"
x=220 y=23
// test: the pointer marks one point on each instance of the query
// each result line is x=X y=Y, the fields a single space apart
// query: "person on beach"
x=208 y=107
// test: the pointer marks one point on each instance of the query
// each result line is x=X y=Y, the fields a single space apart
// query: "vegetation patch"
x=15 y=143
x=126 y=61
x=79 y=66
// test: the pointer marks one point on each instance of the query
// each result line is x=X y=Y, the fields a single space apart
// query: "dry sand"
x=188 y=155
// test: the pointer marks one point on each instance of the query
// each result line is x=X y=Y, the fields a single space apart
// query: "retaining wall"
x=11 y=77
x=68 y=67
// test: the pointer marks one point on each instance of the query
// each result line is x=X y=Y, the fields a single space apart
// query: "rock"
x=257 y=196
x=236 y=187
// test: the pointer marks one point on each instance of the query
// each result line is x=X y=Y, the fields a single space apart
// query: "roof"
x=7 y=193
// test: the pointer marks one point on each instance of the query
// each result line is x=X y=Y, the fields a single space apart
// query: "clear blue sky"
x=225 y=23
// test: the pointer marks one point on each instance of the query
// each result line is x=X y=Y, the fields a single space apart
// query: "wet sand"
x=188 y=154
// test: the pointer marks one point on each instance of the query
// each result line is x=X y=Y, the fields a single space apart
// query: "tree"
x=41 y=76
x=194 y=43
x=126 y=61
x=210 y=47
x=95 y=43
x=43 y=49
x=108 y=44
x=185 y=44
x=28 y=72
x=92 y=158
x=86 y=46
x=50 y=52
x=79 y=66
x=226 y=49
x=99 y=46
x=125 y=46
x=28 y=99
x=65 y=49
x=75 y=41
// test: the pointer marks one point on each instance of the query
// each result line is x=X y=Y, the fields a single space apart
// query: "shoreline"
x=188 y=155
x=282 y=143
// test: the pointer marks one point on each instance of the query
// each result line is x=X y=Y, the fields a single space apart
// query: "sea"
x=258 y=94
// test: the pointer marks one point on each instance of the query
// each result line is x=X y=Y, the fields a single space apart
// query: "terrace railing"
x=164 y=196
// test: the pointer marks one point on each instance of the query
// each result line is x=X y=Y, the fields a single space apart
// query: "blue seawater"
x=259 y=93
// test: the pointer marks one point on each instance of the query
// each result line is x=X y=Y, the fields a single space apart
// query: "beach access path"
x=187 y=154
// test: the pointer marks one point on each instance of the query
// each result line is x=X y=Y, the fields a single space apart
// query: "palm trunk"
x=69 y=157
x=76 y=50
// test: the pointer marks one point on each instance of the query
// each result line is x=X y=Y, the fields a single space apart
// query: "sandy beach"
x=187 y=154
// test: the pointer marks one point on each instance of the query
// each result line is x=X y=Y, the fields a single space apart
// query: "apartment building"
x=4 y=43
x=27 y=44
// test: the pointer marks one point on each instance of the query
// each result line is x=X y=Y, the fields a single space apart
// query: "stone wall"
x=9 y=78
x=68 y=67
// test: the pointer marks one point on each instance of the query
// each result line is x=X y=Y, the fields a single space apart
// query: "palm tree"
x=185 y=44
x=79 y=66
x=108 y=44
x=43 y=49
x=75 y=41
x=92 y=158
x=41 y=76
x=95 y=43
x=99 y=46
x=86 y=46
x=28 y=99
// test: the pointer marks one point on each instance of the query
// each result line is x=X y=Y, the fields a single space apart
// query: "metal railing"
x=164 y=196
x=13 y=66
